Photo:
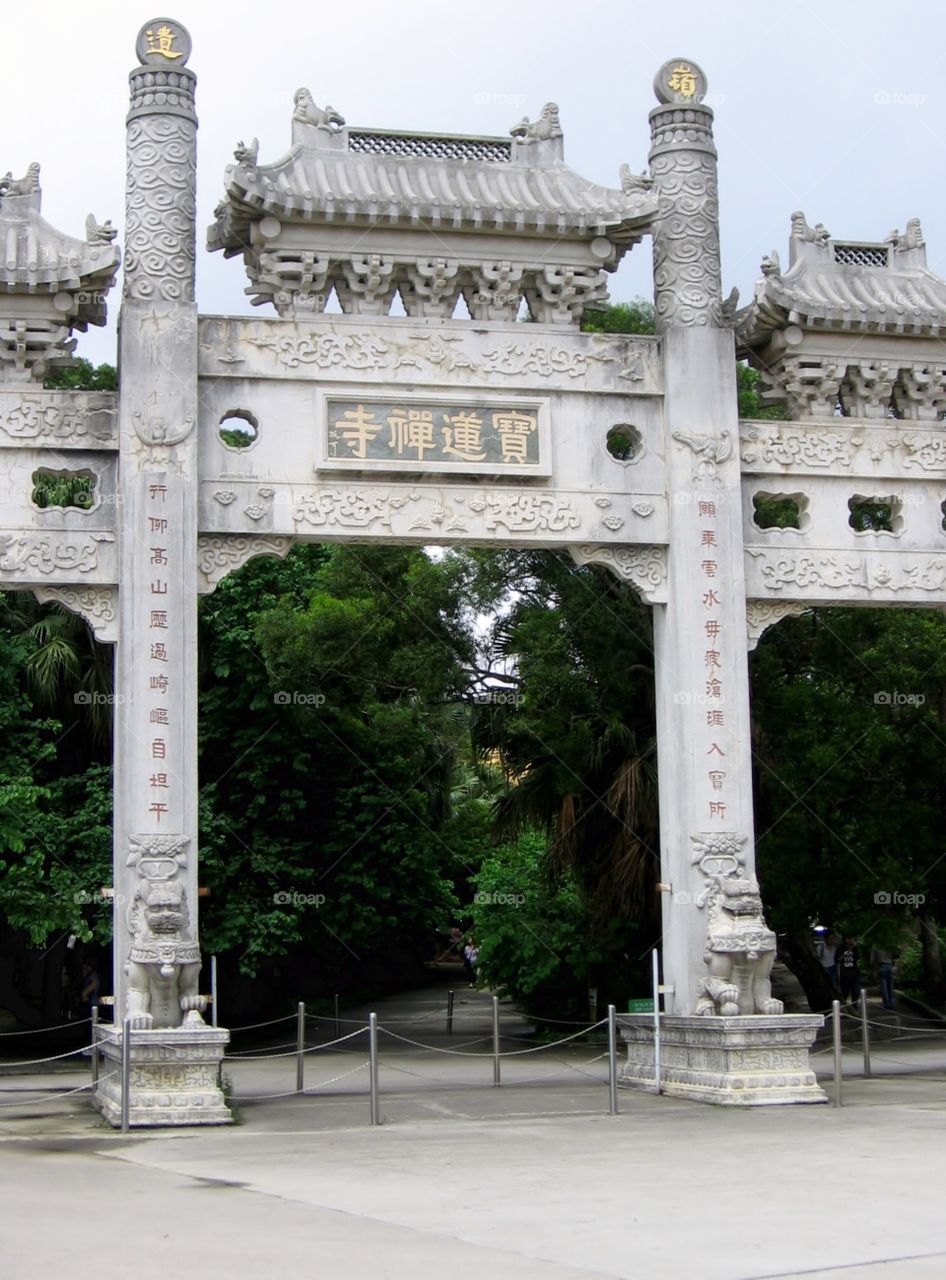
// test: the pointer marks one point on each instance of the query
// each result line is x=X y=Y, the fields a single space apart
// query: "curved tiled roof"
x=36 y=258
x=833 y=284
x=324 y=185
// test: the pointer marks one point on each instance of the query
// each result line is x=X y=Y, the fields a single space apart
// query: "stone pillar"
x=157 y=955
x=716 y=948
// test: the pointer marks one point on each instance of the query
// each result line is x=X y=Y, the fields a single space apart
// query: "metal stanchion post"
x=451 y=995
x=865 y=1033
x=213 y=991
x=496 y=1079
x=300 y=1048
x=338 y=1025
x=373 y=1067
x=95 y=1048
x=836 y=1029
x=612 y=1060
x=126 y=1074
x=656 y=974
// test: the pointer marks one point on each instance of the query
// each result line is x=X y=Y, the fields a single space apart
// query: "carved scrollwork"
x=30 y=553
x=645 y=568
x=687 y=276
x=98 y=605
x=63 y=417
x=762 y=614
x=160 y=208
x=220 y=554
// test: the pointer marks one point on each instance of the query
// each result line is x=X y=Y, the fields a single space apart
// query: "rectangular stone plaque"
x=471 y=436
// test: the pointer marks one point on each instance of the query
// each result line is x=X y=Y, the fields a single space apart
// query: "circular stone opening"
x=624 y=442
x=238 y=429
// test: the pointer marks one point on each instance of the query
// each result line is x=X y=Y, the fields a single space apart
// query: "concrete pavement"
x=534 y=1179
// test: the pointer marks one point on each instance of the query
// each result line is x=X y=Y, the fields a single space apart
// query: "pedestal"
x=174 y=1074
x=737 y=1062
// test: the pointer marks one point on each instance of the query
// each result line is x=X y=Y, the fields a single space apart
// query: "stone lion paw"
x=772 y=1006
x=729 y=1008
x=141 y=1021
x=198 y=1003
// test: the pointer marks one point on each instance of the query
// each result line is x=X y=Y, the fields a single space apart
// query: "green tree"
x=637 y=316
x=849 y=722
x=81 y=375
x=533 y=931
x=331 y=730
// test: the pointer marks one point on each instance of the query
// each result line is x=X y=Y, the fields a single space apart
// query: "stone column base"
x=737 y=1062
x=174 y=1074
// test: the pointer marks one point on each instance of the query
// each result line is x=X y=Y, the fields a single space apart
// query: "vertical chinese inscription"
x=715 y=640
x=161 y=627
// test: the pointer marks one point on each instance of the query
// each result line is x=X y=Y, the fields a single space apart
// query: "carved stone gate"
x=427 y=428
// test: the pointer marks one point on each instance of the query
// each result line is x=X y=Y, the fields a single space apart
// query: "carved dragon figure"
x=99 y=232
x=308 y=113
x=547 y=126
x=247 y=155
x=632 y=183
x=740 y=951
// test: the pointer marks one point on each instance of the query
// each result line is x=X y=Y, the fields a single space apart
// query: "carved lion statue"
x=308 y=113
x=547 y=126
x=26 y=186
x=740 y=952
x=163 y=965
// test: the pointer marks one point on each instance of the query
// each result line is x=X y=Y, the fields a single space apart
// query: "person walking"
x=471 y=953
x=882 y=959
x=849 y=974
x=827 y=950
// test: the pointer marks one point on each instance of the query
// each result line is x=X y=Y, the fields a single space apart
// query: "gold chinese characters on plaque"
x=425 y=435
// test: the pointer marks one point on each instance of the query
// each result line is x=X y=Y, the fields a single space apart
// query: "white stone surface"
x=730 y=1061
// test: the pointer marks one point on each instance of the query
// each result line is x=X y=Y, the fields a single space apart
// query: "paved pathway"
x=530 y=1180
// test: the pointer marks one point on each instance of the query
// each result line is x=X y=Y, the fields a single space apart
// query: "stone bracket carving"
x=645 y=568
x=762 y=614
x=98 y=605
x=866 y=389
x=220 y=554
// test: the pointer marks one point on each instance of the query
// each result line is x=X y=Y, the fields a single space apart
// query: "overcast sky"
x=836 y=108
